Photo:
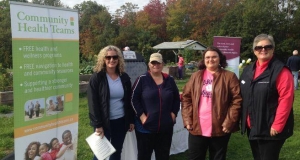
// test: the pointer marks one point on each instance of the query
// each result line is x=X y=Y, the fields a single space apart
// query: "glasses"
x=154 y=63
x=266 y=47
x=111 y=57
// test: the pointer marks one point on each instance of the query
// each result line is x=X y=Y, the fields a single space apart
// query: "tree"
x=5 y=36
x=56 y=3
x=95 y=27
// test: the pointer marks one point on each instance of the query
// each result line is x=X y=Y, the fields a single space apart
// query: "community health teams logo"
x=30 y=22
x=72 y=21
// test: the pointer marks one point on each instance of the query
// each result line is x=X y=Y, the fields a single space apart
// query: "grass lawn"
x=238 y=148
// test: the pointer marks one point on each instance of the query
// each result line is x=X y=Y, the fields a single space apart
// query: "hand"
x=225 y=130
x=99 y=132
x=189 y=127
x=273 y=132
x=173 y=116
x=70 y=146
x=143 y=118
x=131 y=127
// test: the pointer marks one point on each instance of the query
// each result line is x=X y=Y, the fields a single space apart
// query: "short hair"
x=100 y=65
x=65 y=132
x=263 y=37
x=47 y=145
x=180 y=55
x=295 y=52
x=223 y=62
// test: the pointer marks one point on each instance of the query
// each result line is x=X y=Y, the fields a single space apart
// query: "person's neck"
x=211 y=70
x=156 y=75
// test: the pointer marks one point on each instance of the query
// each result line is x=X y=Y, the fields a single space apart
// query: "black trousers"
x=159 y=142
x=266 y=149
x=198 y=146
x=116 y=135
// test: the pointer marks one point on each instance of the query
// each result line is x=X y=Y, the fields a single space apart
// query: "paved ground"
x=6 y=115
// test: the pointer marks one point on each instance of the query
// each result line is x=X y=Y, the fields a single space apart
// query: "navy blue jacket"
x=157 y=102
x=294 y=63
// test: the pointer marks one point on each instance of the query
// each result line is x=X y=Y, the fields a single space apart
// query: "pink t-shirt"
x=46 y=156
x=205 y=104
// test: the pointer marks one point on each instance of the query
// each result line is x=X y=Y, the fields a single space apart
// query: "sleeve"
x=176 y=102
x=234 y=109
x=136 y=98
x=285 y=87
x=288 y=62
x=94 y=102
x=130 y=109
x=186 y=102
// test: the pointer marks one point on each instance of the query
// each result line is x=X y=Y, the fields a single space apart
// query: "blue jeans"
x=116 y=136
x=295 y=74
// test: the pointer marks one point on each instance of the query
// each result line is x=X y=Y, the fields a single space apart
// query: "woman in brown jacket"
x=211 y=107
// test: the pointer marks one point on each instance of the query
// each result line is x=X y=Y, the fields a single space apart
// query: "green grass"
x=238 y=147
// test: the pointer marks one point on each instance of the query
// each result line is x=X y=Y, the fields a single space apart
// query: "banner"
x=45 y=46
x=230 y=47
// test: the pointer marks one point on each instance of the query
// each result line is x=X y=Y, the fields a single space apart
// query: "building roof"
x=189 y=44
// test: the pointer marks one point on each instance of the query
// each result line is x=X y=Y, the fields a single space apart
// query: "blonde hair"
x=100 y=65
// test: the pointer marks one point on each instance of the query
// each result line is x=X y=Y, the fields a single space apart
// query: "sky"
x=113 y=5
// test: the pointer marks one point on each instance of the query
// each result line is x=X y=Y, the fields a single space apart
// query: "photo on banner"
x=45 y=49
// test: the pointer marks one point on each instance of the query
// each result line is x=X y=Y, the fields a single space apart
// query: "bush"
x=4 y=109
x=6 y=79
x=86 y=66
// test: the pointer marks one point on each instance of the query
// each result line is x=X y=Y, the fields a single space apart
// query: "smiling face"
x=32 y=152
x=110 y=59
x=43 y=149
x=67 y=138
x=264 y=54
x=155 y=67
x=212 y=60
x=55 y=144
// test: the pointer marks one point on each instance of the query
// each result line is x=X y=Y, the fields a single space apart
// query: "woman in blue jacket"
x=156 y=102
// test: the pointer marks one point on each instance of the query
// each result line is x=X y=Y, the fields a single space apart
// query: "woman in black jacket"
x=109 y=94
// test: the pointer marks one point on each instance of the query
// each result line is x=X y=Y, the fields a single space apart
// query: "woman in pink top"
x=180 y=65
x=211 y=107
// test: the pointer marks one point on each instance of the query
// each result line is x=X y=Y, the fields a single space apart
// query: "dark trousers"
x=116 y=135
x=198 y=146
x=180 y=72
x=266 y=149
x=159 y=142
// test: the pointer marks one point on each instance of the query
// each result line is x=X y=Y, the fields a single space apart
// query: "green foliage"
x=4 y=109
x=87 y=66
x=6 y=79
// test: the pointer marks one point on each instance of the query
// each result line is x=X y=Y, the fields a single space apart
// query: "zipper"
x=159 y=94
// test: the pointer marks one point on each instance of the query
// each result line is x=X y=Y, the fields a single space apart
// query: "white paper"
x=102 y=148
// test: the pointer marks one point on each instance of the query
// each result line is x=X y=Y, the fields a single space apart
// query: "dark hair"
x=223 y=62
x=50 y=144
x=180 y=55
x=47 y=145
x=29 y=147
x=66 y=131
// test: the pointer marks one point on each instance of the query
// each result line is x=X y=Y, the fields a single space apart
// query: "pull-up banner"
x=230 y=47
x=45 y=81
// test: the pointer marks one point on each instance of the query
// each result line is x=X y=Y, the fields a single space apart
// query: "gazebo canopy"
x=189 y=44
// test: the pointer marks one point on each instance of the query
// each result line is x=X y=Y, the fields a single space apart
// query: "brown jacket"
x=226 y=99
